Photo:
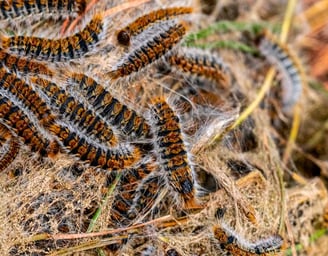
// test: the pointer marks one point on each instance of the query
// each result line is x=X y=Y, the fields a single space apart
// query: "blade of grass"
x=228 y=26
x=314 y=237
x=104 y=202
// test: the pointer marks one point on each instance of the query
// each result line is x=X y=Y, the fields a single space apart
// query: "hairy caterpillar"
x=288 y=65
x=119 y=115
x=63 y=49
x=15 y=118
x=29 y=97
x=200 y=63
x=236 y=246
x=76 y=112
x=95 y=155
x=172 y=151
x=23 y=65
x=11 y=9
x=13 y=147
x=150 y=51
x=141 y=23
x=145 y=196
x=127 y=189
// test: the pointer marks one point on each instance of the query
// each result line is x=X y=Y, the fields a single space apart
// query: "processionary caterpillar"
x=54 y=50
x=172 y=151
x=238 y=247
x=23 y=65
x=13 y=147
x=27 y=95
x=141 y=23
x=288 y=65
x=93 y=154
x=76 y=113
x=150 y=51
x=200 y=63
x=15 y=118
x=11 y=9
x=118 y=115
x=127 y=188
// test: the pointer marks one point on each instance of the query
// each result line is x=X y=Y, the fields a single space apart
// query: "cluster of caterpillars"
x=93 y=125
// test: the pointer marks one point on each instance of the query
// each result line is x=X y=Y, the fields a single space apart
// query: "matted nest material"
x=179 y=176
x=305 y=209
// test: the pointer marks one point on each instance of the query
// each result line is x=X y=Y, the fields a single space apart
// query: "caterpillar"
x=118 y=115
x=93 y=154
x=150 y=51
x=141 y=23
x=76 y=112
x=127 y=189
x=56 y=50
x=200 y=63
x=29 y=97
x=15 y=117
x=11 y=9
x=145 y=196
x=288 y=65
x=236 y=246
x=23 y=65
x=12 y=151
x=172 y=151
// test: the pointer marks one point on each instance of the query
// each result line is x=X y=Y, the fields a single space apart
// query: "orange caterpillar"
x=95 y=155
x=141 y=23
x=152 y=50
x=23 y=65
x=288 y=64
x=201 y=64
x=172 y=151
x=6 y=136
x=118 y=115
x=127 y=189
x=76 y=112
x=145 y=195
x=64 y=49
x=29 y=97
x=15 y=118
x=238 y=247
x=11 y=9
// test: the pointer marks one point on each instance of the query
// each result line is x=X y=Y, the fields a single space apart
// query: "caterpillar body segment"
x=76 y=112
x=57 y=50
x=172 y=151
x=117 y=114
x=12 y=9
x=27 y=95
x=288 y=64
x=141 y=23
x=17 y=119
x=23 y=65
x=237 y=246
x=13 y=147
x=150 y=51
x=95 y=155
